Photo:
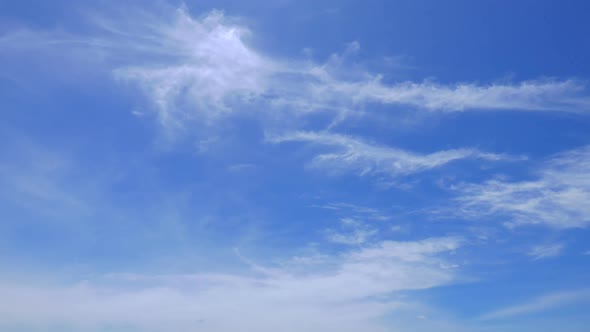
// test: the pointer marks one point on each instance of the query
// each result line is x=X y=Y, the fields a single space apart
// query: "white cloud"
x=540 y=304
x=348 y=294
x=417 y=251
x=202 y=68
x=354 y=232
x=365 y=158
x=356 y=211
x=546 y=251
x=210 y=63
x=559 y=196
x=532 y=95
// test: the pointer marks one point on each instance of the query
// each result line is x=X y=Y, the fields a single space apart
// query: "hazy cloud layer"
x=347 y=292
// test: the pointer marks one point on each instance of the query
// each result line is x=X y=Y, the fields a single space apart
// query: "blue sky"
x=294 y=166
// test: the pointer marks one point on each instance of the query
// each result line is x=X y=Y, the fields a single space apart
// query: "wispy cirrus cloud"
x=356 y=211
x=188 y=68
x=534 y=95
x=353 y=232
x=217 y=72
x=546 y=251
x=540 y=304
x=210 y=64
x=203 y=68
x=558 y=197
x=351 y=154
x=341 y=294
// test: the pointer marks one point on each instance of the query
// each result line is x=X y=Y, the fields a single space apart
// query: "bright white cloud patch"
x=559 y=196
x=347 y=294
x=209 y=63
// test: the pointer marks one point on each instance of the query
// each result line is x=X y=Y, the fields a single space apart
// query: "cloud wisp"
x=534 y=95
x=546 y=251
x=203 y=68
x=559 y=197
x=351 y=154
x=353 y=232
x=540 y=304
x=356 y=211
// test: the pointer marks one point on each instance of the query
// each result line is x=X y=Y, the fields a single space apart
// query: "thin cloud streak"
x=540 y=304
x=559 y=197
x=353 y=232
x=534 y=95
x=364 y=158
x=546 y=251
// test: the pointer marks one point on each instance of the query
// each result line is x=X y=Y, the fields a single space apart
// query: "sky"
x=226 y=166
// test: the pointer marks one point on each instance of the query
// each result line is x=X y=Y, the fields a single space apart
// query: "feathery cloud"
x=365 y=158
x=540 y=304
x=353 y=232
x=204 y=68
x=546 y=251
x=559 y=197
